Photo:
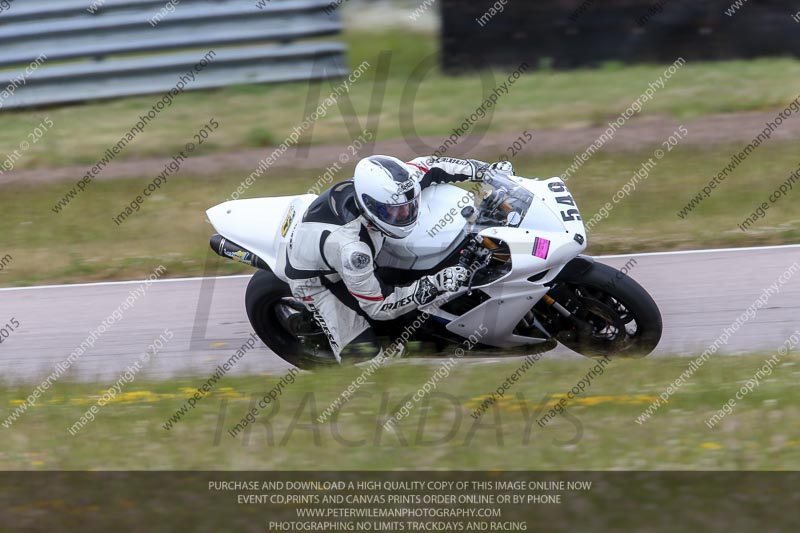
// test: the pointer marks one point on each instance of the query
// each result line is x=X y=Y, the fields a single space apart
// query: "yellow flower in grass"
x=593 y=400
x=477 y=400
x=148 y=396
x=511 y=403
x=128 y=397
x=170 y=396
x=711 y=446
x=623 y=399
x=136 y=396
x=230 y=393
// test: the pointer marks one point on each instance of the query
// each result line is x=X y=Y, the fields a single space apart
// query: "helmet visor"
x=400 y=215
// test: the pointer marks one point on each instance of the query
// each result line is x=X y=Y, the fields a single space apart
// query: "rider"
x=331 y=256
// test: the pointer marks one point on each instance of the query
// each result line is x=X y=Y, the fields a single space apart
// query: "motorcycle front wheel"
x=613 y=315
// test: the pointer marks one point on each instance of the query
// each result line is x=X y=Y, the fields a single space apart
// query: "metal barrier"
x=61 y=52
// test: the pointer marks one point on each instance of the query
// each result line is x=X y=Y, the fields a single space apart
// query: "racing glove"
x=446 y=280
x=500 y=167
x=435 y=170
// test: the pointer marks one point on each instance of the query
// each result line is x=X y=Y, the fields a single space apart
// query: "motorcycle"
x=521 y=240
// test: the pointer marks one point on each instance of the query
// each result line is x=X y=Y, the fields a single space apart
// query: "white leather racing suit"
x=331 y=258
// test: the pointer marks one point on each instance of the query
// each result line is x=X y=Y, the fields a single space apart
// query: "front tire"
x=270 y=308
x=616 y=315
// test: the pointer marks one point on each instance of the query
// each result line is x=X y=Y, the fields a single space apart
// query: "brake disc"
x=611 y=318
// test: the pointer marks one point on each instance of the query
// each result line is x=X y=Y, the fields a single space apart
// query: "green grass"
x=598 y=430
x=257 y=115
x=84 y=244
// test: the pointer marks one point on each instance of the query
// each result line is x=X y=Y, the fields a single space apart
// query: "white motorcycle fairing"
x=261 y=225
x=548 y=236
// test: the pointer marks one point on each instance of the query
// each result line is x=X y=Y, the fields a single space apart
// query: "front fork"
x=579 y=327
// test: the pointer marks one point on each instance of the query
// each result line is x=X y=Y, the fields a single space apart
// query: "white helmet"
x=387 y=194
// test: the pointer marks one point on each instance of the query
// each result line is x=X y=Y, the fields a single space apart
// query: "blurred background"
x=430 y=65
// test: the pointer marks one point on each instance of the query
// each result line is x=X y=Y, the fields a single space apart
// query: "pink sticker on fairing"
x=541 y=247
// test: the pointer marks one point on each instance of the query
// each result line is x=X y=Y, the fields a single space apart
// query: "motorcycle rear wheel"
x=269 y=304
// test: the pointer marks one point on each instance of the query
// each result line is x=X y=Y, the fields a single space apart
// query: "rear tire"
x=265 y=299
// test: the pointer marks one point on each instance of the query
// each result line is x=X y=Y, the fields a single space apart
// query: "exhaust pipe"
x=230 y=250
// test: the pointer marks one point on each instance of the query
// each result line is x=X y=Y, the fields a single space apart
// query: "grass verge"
x=84 y=244
x=597 y=430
